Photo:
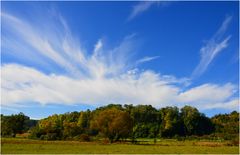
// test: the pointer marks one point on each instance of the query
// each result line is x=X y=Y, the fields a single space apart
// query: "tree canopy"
x=116 y=122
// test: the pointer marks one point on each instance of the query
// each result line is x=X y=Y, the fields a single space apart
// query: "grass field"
x=26 y=146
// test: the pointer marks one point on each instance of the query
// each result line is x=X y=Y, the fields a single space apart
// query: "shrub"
x=235 y=142
x=84 y=137
x=180 y=138
x=23 y=135
x=49 y=136
x=42 y=137
x=36 y=133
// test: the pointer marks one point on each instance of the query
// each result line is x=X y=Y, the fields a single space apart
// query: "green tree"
x=11 y=125
x=84 y=119
x=190 y=118
x=6 y=126
x=171 y=123
x=195 y=123
x=146 y=120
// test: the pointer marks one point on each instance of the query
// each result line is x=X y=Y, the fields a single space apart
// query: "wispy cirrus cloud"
x=212 y=48
x=140 y=8
x=96 y=77
x=98 y=46
x=57 y=46
x=146 y=59
x=35 y=42
x=143 y=6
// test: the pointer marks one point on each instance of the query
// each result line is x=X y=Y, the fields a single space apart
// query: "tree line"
x=116 y=122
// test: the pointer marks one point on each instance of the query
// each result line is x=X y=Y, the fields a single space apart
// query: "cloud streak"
x=36 y=42
x=144 y=6
x=56 y=45
x=140 y=8
x=212 y=48
x=146 y=59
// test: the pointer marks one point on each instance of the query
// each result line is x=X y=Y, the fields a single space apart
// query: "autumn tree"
x=71 y=129
x=113 y=123
x=226 y=125
x=51 y=128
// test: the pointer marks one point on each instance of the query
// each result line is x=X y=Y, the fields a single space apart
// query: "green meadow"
x=27 y=146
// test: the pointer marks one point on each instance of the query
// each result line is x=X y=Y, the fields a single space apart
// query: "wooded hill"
x=116 y=122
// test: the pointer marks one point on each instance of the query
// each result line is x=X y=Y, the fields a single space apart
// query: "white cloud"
x=208 y=95
x=212 y=48
x=22 y=84
x=33 y=86
x=230 y=105
x=107 y=75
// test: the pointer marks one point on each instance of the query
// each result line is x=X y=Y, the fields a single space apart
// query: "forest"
x=115 y=122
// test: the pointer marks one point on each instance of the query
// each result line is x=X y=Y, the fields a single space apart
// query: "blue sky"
x=70 y=56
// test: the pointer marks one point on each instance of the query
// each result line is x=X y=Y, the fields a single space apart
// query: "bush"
x=23 y=135
x=235 y=142
x=84 y=137
x=193 y=137
x=36 y=133
x=180 y=138
x=42 y=137
x=49 y=136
